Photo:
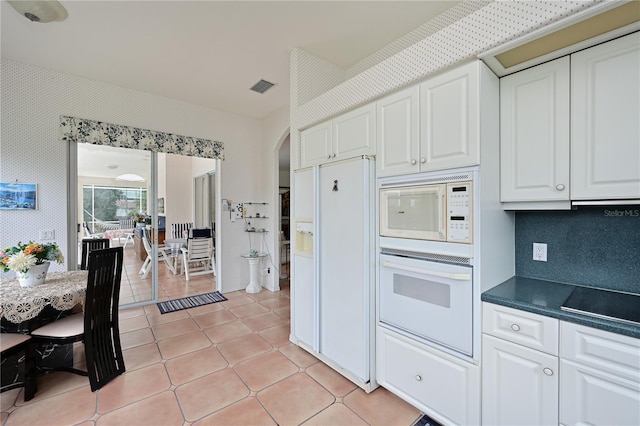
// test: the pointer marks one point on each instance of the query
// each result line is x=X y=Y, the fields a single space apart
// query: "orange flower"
x=5 y=260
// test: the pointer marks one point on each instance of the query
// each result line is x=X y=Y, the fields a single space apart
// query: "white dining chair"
x=198 y=257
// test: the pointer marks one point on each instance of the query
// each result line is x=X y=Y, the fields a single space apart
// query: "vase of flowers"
x=30 y=261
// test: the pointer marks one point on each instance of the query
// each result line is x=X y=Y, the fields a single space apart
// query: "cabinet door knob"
x=329 y=157
x=548 y=371
x=560 y=187
x=333 y=156
x=418 y=377
x=423 y=160
x=515 y=327
x=413 y=162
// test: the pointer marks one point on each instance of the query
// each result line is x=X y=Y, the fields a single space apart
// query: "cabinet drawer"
x=442 y=386
x=605 y=351
x=524 y=328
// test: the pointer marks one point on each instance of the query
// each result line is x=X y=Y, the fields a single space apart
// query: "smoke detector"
x=40 y=11
x=262 y=86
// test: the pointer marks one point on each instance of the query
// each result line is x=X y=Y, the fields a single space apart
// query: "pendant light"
x=40 y=11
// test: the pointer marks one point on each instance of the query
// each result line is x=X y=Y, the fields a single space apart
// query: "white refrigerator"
x=343 y=309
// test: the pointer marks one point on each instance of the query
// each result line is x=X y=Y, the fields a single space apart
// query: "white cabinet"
x=437 y=124
x=605 y=110
x=450 y=108
x=346 y=136
x=519 y=384
x=444 y=387
x=569 y=129
x=534 y=134
x=398 y=125
x=600 y=377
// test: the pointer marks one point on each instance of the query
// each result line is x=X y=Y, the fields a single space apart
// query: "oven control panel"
x=459 y=212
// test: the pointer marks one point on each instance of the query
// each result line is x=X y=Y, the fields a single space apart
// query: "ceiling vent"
x=262 y=86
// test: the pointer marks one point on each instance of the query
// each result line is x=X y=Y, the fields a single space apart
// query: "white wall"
x=34 y=98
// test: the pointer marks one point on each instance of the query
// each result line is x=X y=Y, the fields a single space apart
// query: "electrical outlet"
x=268 y=270
x=49 y=234
x=540 y=252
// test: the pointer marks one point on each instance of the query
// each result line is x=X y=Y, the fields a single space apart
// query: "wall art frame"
x=18 y=196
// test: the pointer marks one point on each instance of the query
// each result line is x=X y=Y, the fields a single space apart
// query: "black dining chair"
x=15 y=344
x=98 y=325
x=88 y=245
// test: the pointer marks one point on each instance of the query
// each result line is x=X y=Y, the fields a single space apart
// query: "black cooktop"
x=612 y=305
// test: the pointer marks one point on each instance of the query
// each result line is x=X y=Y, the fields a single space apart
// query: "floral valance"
x=80 y=130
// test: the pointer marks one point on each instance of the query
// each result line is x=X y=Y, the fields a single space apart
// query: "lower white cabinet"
x=442 y=386
x=599 y=377
x=519 y=385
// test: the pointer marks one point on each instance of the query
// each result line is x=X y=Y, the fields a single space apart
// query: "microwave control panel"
x=459 y=212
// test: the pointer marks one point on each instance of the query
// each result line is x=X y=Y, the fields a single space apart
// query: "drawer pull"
x=548 y=371
x=413 y=162
x=560 y=187
x=515 y=327
x=418 y=377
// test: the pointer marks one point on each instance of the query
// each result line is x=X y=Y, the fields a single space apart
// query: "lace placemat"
x=61 y=290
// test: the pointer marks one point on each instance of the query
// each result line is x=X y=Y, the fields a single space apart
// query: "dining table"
x=23 y=309
x=175 y=245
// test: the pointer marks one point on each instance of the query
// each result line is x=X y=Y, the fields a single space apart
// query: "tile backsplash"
x=591 y=246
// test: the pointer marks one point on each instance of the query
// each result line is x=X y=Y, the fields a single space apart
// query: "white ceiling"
x=208 y=52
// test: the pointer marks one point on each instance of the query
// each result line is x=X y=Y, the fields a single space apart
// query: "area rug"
x=190 y=302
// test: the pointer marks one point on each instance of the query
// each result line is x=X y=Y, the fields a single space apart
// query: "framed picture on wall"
x=160 y=205
x=18 y=196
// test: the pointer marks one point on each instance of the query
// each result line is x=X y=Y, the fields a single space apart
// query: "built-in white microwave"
x=437 y=212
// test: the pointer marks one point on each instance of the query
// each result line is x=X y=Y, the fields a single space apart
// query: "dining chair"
x=14 y=344
x=88 y=245
x=178 y=229
x=197 y=257
x=163 y=253
x=97 y=326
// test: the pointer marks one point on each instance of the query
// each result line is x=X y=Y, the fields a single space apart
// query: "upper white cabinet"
x=450 y=118
x=346 y=136
x=534 y=133
x=435 y=125
x=398 y=125
x=569 y=128
x=605 y=115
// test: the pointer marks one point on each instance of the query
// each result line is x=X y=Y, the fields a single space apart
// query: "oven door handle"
x=457 y=277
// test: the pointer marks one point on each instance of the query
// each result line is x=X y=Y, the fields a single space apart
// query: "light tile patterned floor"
x=228 y=363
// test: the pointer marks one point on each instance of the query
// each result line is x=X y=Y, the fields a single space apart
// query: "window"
x=108 y=204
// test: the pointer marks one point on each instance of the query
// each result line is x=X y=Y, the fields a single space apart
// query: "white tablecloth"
x=61 y=290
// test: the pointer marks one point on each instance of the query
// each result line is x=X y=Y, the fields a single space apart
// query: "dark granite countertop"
x=545 y=298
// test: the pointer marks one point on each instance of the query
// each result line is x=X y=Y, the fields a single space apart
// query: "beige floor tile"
x=265 y=370
x=175 y=328
x=210 y=393
x=194 y=365
x=8 y=398
x=247 y=412
x=214 y=318
x=278 y=335
x=229 y=331
x=263 y=321
x=301 y=357
x=55 y=384
x=283 y=312
x=205 y=309
x=248 y=310
x=133 y=323
x=381 y=407
x=136 y=338
x=157 y=319
x=276 y=303
x=56 y=410
x=132 y=387
x=336 y=415
x=244 y=348
x=295 y=399
x=141 y=356
x=130 y=313
x=333 y=381
x=236 y=298
x=183 y=344
x=160 y=409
